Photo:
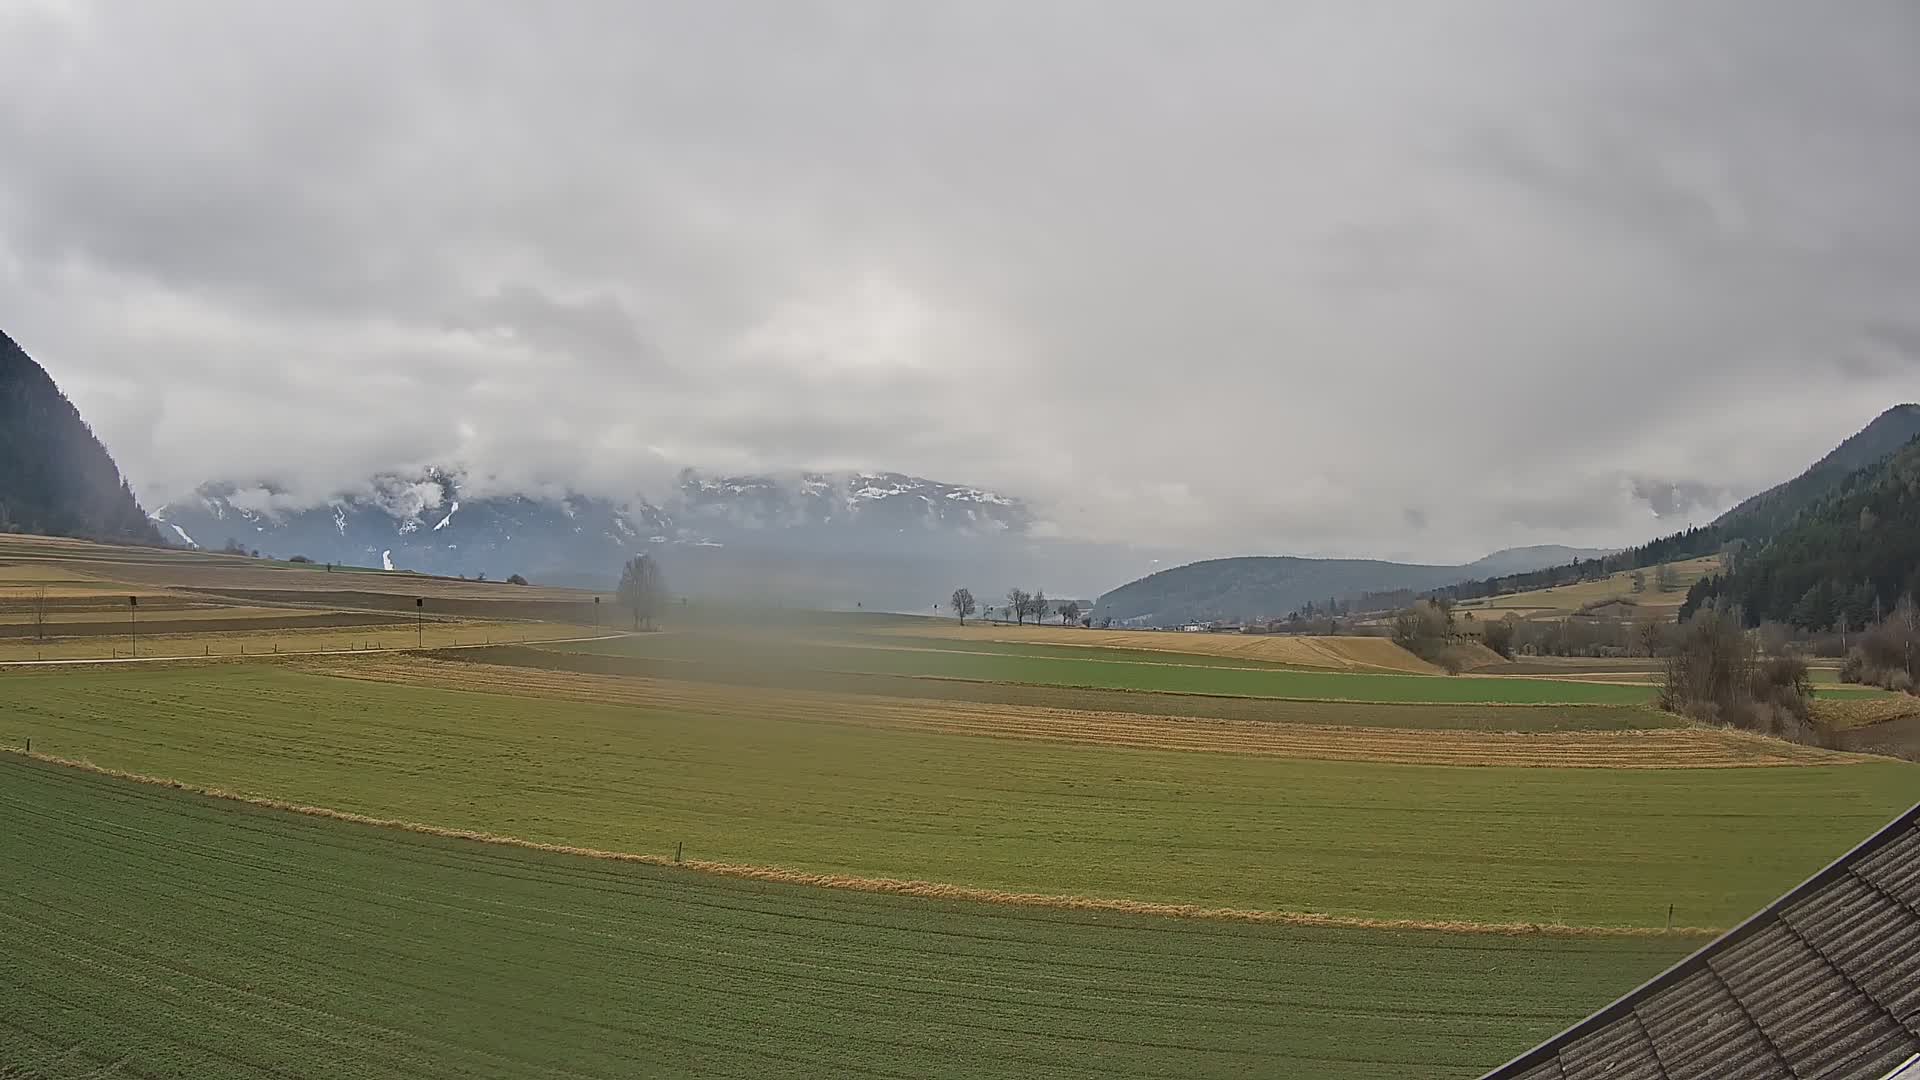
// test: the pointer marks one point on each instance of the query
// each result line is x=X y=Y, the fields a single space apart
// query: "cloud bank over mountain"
x=1309 y=278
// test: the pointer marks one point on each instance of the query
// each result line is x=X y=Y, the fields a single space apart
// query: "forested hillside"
x=1852 y=555
x=1752 y=522
x=55 y=477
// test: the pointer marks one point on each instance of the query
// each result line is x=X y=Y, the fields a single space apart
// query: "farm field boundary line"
x=1665 y=748
x=929 y=890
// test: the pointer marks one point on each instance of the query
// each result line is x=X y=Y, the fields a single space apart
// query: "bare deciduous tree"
x=642 y=589
x=1070 y=612
x=963 y=604
x=1019 y=601
x=1665 y=578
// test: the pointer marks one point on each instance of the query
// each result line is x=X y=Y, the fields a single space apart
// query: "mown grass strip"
x=156 y=933
x=1591 y=847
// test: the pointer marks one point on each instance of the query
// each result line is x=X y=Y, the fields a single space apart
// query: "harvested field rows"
x=156 y=933
x=1683 y=748
x=1249 y=831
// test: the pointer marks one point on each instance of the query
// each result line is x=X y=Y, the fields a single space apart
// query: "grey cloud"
x=1673 y=498
x=1249 y=276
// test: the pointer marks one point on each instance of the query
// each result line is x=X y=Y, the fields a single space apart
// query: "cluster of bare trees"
x=643 y=590
x=1718 y=673
x=1427 y=630
x=1885 y=654
x=1021 y=606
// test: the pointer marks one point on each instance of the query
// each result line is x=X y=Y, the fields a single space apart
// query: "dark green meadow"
x=157 y=934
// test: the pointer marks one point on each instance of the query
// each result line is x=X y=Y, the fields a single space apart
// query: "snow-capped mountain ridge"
x=436 y=521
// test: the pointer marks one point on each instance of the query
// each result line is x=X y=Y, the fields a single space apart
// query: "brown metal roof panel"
x=1699 y=1030
x=1687 y=1002
x=1778 y=974
x=1895 y=867
x=1882 y=1059
x=1850 y=918
x=1838 y=1048
x=1873 y=1064
x=1870 y=936
x=1615 y=1052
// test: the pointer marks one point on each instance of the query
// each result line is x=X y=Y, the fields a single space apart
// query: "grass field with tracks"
x=156 y=933
x=1487 y=843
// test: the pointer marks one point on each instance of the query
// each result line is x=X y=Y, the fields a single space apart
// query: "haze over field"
x=1410 y=282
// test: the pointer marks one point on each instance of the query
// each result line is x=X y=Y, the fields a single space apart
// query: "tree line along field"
x=157 y=933
x=1485 y=843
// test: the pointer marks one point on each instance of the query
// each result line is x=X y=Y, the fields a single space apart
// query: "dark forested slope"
x=55 y=477
x=1852 y=554
x=1751 y=523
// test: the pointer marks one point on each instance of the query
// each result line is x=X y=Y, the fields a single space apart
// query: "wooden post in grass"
x=29 y=747
x=1669 y=916
x=678 y=850
x=133 y=618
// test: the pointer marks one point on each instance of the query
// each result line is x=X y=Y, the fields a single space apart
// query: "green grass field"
x=159 y=934
x=1490 y=844
x=1168 y=675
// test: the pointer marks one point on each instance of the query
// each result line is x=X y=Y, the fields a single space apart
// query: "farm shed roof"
x=1823 y=983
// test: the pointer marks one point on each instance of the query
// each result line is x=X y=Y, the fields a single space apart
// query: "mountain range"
x=892 y=541
x=439 y=521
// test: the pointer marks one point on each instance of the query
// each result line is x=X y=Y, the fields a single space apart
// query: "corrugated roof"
x=1824 y=983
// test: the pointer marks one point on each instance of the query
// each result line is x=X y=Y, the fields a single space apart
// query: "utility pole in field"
x=133 y=620
x=420 y=622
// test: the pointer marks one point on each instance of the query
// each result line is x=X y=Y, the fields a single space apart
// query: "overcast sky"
x=1412 y=279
